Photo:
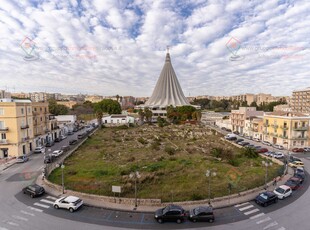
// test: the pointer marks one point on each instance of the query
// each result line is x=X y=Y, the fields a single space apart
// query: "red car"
x=298 y=150
x=262 y=150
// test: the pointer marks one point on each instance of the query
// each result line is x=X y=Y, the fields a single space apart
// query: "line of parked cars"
x=175 y=213
x=286 y=190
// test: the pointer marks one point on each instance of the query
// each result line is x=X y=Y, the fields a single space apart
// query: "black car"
x=80 y=136
x=266 y=198
x=73 y=142
x=301 y=176
x=65 y=148
x=57 y=139
x=294 y=183
x=49 y=144
x=34 y=190
x=49 y=159
x=239 y=140
x=231 y=138
x=203 y=213
x=243 y=143
x=173 y=213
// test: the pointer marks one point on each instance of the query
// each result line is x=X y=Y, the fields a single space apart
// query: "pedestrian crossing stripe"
x=35 y=209
x=245 y=208
x=239 y=205
x=263 y=220
x=41 y=205
x=51 y=198
x=47 y=201
x=251 y=212
x=256 y=216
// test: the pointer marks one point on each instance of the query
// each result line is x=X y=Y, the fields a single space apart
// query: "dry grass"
x=172 y=162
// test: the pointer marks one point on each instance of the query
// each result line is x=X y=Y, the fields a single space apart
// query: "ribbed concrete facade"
x=168 y=90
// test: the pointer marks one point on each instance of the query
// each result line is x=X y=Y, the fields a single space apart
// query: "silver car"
x=71 y=203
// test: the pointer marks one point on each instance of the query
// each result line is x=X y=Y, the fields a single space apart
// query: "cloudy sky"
x=109 y=47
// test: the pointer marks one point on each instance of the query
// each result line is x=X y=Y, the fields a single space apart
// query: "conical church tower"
x=168 y=90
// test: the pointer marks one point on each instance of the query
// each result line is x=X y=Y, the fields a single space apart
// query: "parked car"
x=202 y=213
x=300 y=175
x=22 y=159
x=266 y=198
x=239 y=140
x=278 y=147
x=50 y=144
x=262 y=150
x=80 y=136
x=299 y=170
x=294 y=183
x=65 y=148
x=231 y=138
x=278 y=155
x=296 y=164
x=236 y=132
x=250 y=146
x=71 y=203
x=292 y=158
x=283 y=191
x=307 y=149
x=57 y=139
x=49 y=159
x=298 y=150
x=256 y=139
x=62 y=137
x=40 y=149
x=269 y=154
x=57 y=153
x=171 y=212
x=73 y=142
x=243 y=143
x=33 y=190
x=266 y=143
x=70 y=132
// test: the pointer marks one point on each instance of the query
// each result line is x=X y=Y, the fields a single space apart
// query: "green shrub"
x=170 y=150
x=142 y=141
x=234 y=162
x=196 y=196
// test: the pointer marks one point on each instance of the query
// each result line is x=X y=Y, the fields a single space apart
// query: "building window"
x=284 y=133
x=303 y=124
x=22 y=110
x=40 y=109
x=302 y=142
x=294 y=143
x=35 y=109
x=295 y=125
x=1 y=111
x=1 y=124
x=3 y=136
x=28 y=110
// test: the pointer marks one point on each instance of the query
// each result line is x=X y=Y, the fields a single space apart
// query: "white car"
x=57 y=153
x=278 y=155
x=278 y=147
x=256 y=139
x=266 y=143
x=71 y=203
x=40 y=149
x=283 y=191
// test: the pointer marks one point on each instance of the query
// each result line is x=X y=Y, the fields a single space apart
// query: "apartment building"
x=44 y=124
x=254 y=127
x=300 y=101
x=16 y=127
x=288 y=129
x=239 y=117
x=249 y=98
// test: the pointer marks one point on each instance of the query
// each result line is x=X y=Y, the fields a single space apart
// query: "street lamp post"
x=209 y=173
x=135 y=175
x=62 y=166
x=266 y=164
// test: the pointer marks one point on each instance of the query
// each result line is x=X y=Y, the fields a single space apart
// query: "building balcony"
x=305 y=128
x=266 y=125
x=283 y=137
x=274 y=134
x=4 y=142
x=47 y=130
x=4 y=129
x=274 y=126
x=284 y=127
x=24 y=126
x=265 y=133
x=24 y=139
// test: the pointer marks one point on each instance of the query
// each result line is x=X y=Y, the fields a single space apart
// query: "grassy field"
x=172 y=162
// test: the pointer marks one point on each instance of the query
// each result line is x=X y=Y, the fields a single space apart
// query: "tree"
x=109 y=106
x=141 y=116
x=253 y=104
x=56 y=109
x=99 y=113
x=148 y=114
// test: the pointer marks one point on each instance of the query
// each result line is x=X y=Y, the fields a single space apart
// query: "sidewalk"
x=221 y=202
x=6 y=163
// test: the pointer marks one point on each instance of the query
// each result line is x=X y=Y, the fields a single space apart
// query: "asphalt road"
x=19 y=211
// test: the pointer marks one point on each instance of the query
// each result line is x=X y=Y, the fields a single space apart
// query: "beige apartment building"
x=239 y=117
x=44 y=124
x=300 y=101
x=288 y=129
x=16 y=127
x=248 y=97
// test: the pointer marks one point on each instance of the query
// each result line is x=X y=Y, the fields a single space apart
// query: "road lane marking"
x=282 y=228
x=256 y=216
x=245 y=208
x=252 y=211
x=35 y=209
x=26 y=213
x=238 y=205
x=47 y=201
x=263 y=220
x=41 y=205
x=275 y=223
x=19 y=218
x=51 y=197
x=12 y=223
